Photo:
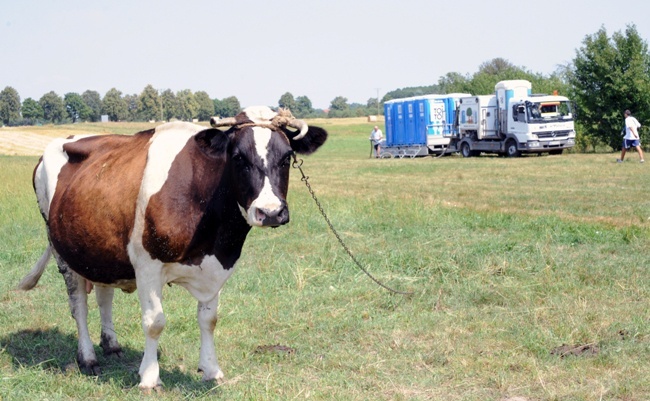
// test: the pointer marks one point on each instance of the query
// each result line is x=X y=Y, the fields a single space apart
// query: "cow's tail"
x=35 y=274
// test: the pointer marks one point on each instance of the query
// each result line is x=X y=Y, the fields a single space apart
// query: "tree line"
x=149 y=105
x=608 y=75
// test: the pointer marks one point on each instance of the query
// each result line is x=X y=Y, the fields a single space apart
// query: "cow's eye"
x=239 y=160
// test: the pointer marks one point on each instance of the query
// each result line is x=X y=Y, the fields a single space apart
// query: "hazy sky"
x=258 y=50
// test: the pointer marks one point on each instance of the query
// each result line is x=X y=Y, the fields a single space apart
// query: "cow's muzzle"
x=272 y=218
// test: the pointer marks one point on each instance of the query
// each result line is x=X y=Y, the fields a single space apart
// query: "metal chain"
x=297 y=163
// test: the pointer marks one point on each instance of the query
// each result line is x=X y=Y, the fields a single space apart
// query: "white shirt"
x=376 y=135
x=631 y=122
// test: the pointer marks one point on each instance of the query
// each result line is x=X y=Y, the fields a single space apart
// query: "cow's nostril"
x=273 y=218
x=260 y=215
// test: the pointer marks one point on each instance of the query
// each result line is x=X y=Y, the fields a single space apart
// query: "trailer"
x=420 y=125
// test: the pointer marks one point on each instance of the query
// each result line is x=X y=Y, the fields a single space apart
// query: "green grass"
x=508 y=259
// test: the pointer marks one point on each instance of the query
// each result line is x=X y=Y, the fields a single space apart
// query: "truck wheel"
x=465 y=150
x=511 y=148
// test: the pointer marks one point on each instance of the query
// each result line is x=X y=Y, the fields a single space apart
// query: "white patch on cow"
x=262 y=137
x=267 y=201
x=166 y=143
x=168 y=140
x=47 y=172
x=259 y=114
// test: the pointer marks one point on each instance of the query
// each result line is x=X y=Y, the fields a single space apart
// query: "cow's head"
x=259 y=145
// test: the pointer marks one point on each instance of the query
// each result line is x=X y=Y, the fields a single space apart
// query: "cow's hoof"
x=89 y=368
x=148 y=390
x=215 y=375
x=150 y=381
x=117 y=351
x=110 y=346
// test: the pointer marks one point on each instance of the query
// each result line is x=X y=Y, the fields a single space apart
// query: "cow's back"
x=92 y=208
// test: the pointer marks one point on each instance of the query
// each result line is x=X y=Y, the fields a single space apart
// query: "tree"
x=288 y=102
x=339 y=108
x=31 y=110
x=114 y=105
x=53 y=107
x=9 y=105
x=372 y=106
x=303 y=107
x=148 y=104
x=227 y=107
x=132 y=108
x=169 y=104
x=206 y=106
x=608 y=77
x=94 y=102
x=76 y=107
x=187 y=105
x=453 y=82
x=493 y=71
x=339 y=103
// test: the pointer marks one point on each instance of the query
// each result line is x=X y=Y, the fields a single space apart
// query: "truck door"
x=518 y=124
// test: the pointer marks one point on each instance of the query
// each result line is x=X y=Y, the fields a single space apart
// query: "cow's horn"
x=299 y=125
x=222 y=122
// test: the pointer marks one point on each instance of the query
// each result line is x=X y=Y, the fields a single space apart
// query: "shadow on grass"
x=55 y=352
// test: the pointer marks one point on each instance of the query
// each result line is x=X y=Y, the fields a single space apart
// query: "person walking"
x=375 y=137
x=632 y=138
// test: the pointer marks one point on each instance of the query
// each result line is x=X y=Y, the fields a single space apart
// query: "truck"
x=510 y=122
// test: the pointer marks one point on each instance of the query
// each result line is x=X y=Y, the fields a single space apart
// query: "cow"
x=170 y=205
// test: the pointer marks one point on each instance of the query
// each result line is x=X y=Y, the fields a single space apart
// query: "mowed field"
x=530 y=281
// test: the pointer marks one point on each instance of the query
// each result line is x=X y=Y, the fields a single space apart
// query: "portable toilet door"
x=420 y=132
x=399 y=124
x=409 y=122
x=388 y=121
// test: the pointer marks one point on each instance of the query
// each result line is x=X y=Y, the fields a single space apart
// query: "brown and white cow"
x=170 y=205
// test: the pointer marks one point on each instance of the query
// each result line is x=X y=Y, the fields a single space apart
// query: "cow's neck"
x=222 y=229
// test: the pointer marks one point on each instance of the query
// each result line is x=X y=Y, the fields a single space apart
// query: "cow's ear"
x=212 y=142
x=313 y=140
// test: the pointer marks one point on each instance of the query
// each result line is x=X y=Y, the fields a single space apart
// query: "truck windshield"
x=547 y=111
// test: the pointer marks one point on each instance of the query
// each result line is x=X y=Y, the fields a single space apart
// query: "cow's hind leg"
x=207 y=317
x=104 y=296
x=78 y=300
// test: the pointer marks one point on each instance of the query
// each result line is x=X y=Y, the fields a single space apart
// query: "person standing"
x=375 y=137
x=632 y=138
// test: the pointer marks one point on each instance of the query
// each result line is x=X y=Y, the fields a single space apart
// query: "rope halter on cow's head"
x=262 y=116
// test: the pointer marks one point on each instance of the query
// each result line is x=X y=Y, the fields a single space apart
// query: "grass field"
x=530 y=277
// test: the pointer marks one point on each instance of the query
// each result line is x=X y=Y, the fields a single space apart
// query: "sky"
x=258 y=50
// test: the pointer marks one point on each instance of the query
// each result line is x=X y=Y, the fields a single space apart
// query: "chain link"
x=297 y=163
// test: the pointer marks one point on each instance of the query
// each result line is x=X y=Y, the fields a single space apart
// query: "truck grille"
x=553 y=134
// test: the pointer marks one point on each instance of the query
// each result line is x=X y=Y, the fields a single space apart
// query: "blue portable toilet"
x=388 y=120
x=421 y=123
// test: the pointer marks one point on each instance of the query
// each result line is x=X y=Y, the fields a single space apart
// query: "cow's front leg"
x=207 y=317
x=104 y=296
x=149 y=282
x=78 y=299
